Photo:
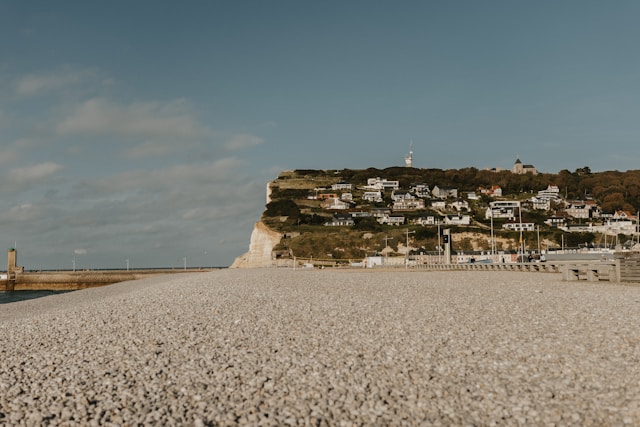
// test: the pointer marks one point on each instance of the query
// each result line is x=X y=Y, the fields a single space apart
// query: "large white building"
x=382 y=184
x=503 y=209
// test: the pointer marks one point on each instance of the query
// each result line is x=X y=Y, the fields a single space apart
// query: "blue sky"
x=148 y=130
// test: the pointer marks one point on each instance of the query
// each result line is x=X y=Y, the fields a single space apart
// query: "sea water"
x=15 y=296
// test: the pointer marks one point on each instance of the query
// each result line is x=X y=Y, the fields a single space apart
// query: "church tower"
x=517 y=167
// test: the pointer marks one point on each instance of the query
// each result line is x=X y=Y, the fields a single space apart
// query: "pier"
x=74 y=280
x=17 y=279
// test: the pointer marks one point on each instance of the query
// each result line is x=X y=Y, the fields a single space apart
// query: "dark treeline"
x=613 y=190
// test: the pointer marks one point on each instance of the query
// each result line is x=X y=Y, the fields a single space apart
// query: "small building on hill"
x=520 y=169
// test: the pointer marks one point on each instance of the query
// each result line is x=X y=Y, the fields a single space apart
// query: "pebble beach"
x=278 y=347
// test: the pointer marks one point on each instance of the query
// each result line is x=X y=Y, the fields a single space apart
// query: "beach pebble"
x=333 y=347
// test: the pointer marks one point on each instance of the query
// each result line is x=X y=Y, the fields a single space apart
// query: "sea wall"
x=74 y=280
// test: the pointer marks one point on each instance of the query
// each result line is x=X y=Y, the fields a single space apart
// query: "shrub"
x=282 y=207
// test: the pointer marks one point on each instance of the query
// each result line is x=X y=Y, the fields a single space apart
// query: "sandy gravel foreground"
x=283 y=347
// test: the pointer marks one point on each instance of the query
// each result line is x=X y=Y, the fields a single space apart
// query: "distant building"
x=408 y=160
x=381 y=184
x=426 y=220
x=457 y=219
x=340 y=220
x=582 y=210
x=444 y=192
x=552 y=192
x=391 y=220
x=460 y=205
x=420 y=190
x=494 y=169
x=502 y=209
x=336 y=204
x=408 y=204
x=493 y=191
x=521 y=169
x=519 y=226
x=342 y=186
x=372 y=196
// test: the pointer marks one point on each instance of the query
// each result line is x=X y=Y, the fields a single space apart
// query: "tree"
x=367 y=224
x=583 y=171
x=613 y=202
x=574 y=240
x=283 y=207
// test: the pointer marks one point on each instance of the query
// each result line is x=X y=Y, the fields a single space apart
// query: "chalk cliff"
x=262 y=243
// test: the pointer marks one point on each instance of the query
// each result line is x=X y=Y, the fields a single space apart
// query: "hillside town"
x=389 y=204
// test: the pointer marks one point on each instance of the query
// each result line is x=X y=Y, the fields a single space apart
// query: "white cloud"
x=37 y=84
x=242 y=141
x=80 y=251
x=140 y=120
x=33 y=173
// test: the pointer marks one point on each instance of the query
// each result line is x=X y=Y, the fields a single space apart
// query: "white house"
x=391 y=220
x=502 y=209
x=460 y=205
x=552 y=192
x=426 y=220
x=457 y=219
x=540 y=204
x=342 y=186
x=623 y=215
x=555 y=221
x=580 y=210
x=336 y=204
x=380 y=212
x=372 y=196
x=408 y=204
x=519 y=226
x=444 y=192
x=381 y=184
x=401 y=195
x=421 y=190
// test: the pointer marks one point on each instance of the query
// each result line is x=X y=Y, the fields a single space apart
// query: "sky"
x=145 y=132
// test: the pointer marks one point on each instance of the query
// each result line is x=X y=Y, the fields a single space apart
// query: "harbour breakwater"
x=74 y=280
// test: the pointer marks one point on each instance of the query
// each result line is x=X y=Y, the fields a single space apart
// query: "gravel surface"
x=319 y=347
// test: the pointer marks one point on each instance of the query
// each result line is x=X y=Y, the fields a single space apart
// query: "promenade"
x=326 y=347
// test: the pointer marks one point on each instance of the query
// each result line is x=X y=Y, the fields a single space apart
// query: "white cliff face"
x=268 y=192
x=263 y=240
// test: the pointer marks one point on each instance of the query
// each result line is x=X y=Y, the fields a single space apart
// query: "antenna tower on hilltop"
x=408 y=160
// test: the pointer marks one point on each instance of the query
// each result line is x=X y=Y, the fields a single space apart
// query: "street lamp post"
x=386 y=245
x=493 y=240
x=439 y=247
x=406 y=262
x=521 y=241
